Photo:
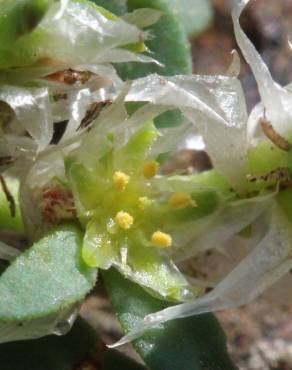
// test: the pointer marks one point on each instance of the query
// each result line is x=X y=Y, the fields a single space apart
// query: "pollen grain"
x=181 y=200
x=124 y=220
x=161 y=240
x=150 y=169
x=144 y=203
x=121 y=180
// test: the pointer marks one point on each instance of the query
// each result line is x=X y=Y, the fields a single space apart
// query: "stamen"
x=161 y=240
x=121 y=180
x=124 y=220
x=144 y=202
x=150 y=169
x=181 y=200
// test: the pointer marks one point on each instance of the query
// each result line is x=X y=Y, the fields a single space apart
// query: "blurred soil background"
x=268 y=24
x=259 y=334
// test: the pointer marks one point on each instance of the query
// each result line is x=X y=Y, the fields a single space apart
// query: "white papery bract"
x=76 y=33
x=7 y=252
x=74 y=37
x=268 y=262
x=216 y=107
x=275 y=99
x=32 y=110
x=270 y=257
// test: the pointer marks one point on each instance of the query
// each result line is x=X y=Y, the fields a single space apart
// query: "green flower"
x=134 y=217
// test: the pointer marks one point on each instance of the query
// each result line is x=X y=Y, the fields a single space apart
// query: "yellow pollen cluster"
x=181 y=200
x=124 y=220
x=161 y=240
x=121 y=180
x=150 y=169
x=144 y=202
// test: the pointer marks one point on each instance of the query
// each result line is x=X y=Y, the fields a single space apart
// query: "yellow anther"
x=161 y=240
x=150 y=169
x=181 y=200
x=124 y=220
x=121 y=180
x=144 y=202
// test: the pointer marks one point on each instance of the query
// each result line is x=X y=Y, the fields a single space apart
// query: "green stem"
x=7 y=222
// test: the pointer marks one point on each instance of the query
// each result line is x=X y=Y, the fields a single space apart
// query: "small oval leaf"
x=194 y=343
x=43 y=284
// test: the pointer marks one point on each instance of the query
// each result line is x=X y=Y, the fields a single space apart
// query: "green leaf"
x=169 y=46
x=47 y=279
x=19 y=17
x=63 y=353
x=118 y=7
x=195 y=15
x=195 y=343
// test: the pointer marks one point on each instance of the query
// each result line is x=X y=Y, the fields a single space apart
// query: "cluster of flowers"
x=105 y=166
